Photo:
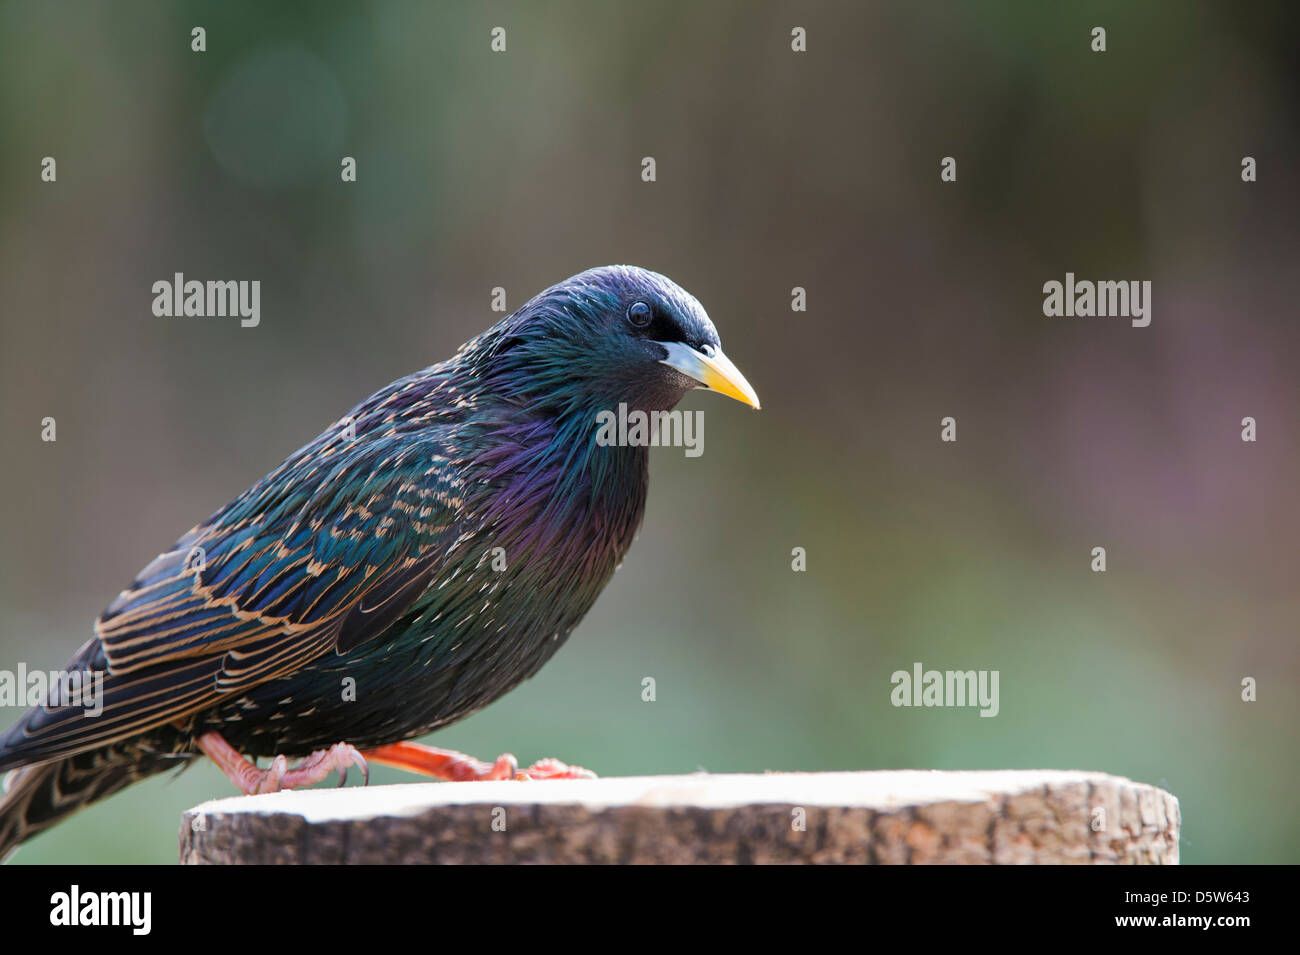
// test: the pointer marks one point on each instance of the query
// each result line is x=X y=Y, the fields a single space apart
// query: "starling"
x=429 y=551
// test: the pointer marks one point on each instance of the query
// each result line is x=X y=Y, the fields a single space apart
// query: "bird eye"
x=707 y=350
x=638 y=313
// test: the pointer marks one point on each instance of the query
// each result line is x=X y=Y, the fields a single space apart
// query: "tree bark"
x=903 y=817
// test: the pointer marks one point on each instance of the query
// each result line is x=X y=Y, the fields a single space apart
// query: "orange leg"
x=313 y=769
x=451 y=765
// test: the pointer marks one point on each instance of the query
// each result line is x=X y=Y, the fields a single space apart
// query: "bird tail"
x=37 y=796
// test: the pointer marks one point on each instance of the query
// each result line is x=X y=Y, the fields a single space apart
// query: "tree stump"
x=902 y=817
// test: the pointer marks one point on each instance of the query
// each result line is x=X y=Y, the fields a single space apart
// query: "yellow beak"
x=713 y=371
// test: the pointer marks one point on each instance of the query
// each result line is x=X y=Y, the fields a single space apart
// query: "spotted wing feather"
x=314 y=559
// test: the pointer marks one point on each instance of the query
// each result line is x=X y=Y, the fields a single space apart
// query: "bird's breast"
x=544 y=544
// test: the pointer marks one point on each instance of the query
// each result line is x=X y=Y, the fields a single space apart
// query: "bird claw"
x=268 y=780
x=507 y=767
x=554 y=769
x=360 y=764
x=313 y=769
x=321 y=763
x=458 y=767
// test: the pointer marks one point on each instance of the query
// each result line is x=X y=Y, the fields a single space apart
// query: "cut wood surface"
x=896 y=817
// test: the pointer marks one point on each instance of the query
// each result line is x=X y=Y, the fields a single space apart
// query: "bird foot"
x=450 y=765
x=321 y=763
x=251 y=781
x=554 y=769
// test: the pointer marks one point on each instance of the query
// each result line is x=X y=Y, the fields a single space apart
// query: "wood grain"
x=897 y=817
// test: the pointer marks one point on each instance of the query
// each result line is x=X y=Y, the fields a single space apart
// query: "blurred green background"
x=775 y=170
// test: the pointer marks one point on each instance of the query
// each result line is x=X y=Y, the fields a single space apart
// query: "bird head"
x=611 y=334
